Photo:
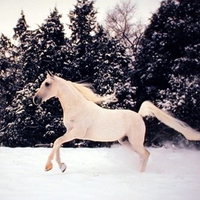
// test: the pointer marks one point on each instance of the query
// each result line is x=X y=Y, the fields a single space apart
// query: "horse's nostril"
x=37 y=100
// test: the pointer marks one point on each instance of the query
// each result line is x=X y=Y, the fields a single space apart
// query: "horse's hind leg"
x=139 y=148
x=144 y=155
x=136 y=139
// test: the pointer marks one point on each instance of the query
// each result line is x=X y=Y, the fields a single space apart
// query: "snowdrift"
x=100 y=174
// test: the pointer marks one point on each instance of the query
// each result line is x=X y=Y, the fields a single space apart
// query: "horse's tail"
x=148 y=109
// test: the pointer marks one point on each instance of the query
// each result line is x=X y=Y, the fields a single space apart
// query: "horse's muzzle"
x=37 y=100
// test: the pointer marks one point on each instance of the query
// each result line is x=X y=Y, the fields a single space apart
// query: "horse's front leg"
x=65 y=138
x=58 y=160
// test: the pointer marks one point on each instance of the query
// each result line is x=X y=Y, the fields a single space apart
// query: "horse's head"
x=47 y=90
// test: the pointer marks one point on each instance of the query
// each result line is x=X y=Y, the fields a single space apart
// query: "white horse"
x=84 y=119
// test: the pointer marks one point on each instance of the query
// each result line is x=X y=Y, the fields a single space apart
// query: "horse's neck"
x=69 y=97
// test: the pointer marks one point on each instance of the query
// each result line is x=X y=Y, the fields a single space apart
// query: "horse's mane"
x=87 y=92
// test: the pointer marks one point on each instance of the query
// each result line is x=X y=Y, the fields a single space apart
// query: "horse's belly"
x=105 y=133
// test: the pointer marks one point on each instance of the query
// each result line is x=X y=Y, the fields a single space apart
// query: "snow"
x=100 y=173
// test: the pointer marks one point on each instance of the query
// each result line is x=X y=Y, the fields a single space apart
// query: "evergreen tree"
x=21 y=27
x=97 y=58
x=112 y=67
x=83 y=24
x=28 y=48
x=53 y=50
x=40 y=50
x=9 y=75
x=167 y=63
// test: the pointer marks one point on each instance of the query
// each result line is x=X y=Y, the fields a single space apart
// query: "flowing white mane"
x=87 y=92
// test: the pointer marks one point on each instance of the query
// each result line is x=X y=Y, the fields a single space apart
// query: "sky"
x=38 y=10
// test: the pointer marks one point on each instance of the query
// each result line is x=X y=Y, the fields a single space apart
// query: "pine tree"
x=97 y=58
x=83 y=24
x=40 y=49
x=167 y=63
x=21 y=27
x=44 y=48
x=9 y=75
x=53 y=43
x=27 y=49
x=112 y=66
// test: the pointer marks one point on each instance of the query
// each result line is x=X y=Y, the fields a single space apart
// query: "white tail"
x=148 y=109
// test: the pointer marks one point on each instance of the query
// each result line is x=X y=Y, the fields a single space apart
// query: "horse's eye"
x=47 y=84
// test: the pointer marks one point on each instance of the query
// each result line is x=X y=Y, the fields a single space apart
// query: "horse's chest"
x=68 y=122
x=75 y=122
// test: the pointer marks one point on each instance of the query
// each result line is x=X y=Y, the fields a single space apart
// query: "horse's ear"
x=49 y=73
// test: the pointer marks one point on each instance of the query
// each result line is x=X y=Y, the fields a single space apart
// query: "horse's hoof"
x=48 y=167
x=63 y=167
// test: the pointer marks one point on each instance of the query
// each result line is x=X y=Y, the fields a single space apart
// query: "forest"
x=160 y=63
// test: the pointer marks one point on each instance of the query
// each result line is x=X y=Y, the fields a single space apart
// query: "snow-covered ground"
x=100 y=174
